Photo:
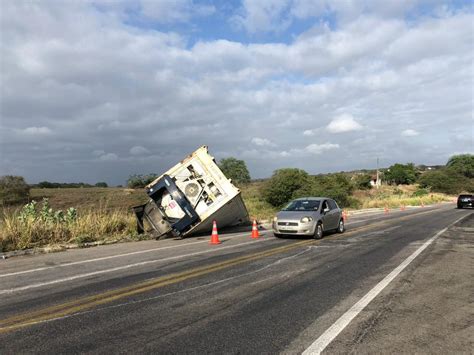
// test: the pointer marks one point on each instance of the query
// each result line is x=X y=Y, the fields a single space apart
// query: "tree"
x=101 y=184
x=362 y=181
x=235 y=169
x=335 y=186
x=13 y=189
x=283 y=184
x=446 y=181
x=137 y=181
x=46 y=185
x=401 y=174
x=462 y=164
x=57 y=185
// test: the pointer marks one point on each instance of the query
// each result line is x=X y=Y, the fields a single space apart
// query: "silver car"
x=311 y=216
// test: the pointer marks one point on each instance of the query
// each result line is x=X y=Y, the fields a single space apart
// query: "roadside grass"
x=90 y=198
x=394 y=197
x=19 y=230
x=104 y=215
x=258 y=208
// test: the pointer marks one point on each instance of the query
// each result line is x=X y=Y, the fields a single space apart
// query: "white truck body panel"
x=200 y=189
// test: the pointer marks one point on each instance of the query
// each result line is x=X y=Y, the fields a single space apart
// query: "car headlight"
x=306 y=219
x=275 y=219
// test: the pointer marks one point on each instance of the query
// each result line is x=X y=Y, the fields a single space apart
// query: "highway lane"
x=268 y=295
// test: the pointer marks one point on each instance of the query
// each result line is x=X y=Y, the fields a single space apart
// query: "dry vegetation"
x=104 y=214
x=101 y=214
x=90 y=198
x=258 y=208
x=394 y=197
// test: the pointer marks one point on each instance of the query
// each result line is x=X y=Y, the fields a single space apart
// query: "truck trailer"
x=188 y=197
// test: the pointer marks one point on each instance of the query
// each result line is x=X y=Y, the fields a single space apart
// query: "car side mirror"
x=326 y=210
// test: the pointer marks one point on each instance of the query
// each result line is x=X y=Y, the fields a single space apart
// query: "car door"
x=327 y=217
x=335 y=214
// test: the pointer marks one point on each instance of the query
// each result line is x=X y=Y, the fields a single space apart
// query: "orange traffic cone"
x=255 y=234
x=422 y=204
x=386 y=210
x=215 y=235
x=344 y=216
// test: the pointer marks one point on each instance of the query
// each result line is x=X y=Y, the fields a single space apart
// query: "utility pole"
x=377 y=179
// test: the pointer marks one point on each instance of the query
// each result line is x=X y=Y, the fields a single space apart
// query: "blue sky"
x=97 y=91
x=220 y=20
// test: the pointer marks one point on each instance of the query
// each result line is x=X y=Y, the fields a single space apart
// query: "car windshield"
x=302 y=205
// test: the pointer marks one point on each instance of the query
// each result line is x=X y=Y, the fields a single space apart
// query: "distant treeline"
x=50 y=185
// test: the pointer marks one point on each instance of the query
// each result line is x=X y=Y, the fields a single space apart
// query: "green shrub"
x=288 y=184
x=56 y=185
x=335 y=186
x=236 y=170
x=446 y=181
x=35 y=226
x=401 y=174
x=13 y=190
x=137 y=181
x=352 y=202
x=283 y=185
x=363 y=182
x=462 y=164
x=398 y=191
x=421 y=192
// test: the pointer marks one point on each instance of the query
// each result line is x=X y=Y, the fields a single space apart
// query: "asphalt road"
x=393 y=283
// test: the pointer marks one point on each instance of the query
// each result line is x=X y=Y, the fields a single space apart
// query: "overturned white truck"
x=189 y=197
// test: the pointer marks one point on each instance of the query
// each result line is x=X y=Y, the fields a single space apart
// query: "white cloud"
x=410 y=133
x=98 y=152
x=36 y=131
x=169 y=11
x=109 y=157
x=139 y=150
x=343 y=123
x=262 y=142
x=278 y=15
x=320 y=148
x=177 y=87
x=263 y=15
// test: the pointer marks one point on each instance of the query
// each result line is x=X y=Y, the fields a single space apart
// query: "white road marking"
x=333 y=331
x=99 y=272
x=176 y=292
x=139 y=252
x=114 y=256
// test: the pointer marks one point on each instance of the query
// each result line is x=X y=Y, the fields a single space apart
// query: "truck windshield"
x=302 y=205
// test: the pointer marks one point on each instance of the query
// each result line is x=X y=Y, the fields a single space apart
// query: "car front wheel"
x=341 y=228
x=318 y=232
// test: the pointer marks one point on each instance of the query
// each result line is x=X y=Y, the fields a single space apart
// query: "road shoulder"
x=428 y=309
